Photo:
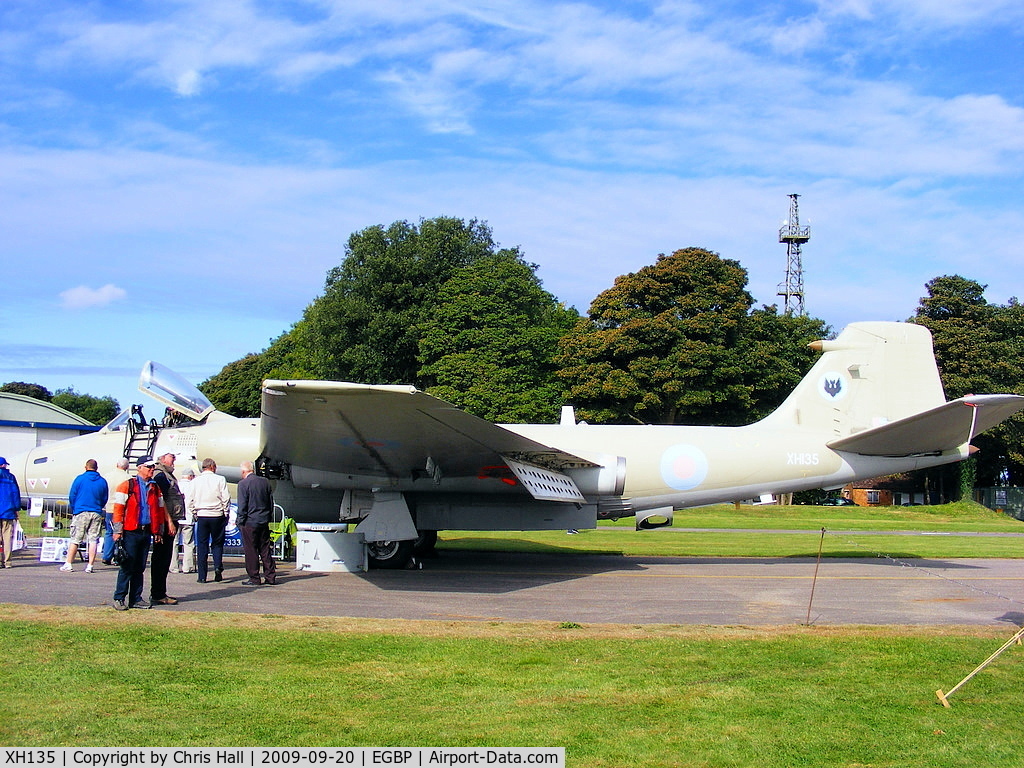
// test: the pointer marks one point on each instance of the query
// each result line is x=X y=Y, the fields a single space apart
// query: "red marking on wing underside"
x=497 y=472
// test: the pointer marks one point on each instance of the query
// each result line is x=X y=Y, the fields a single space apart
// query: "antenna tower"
x=793 y=235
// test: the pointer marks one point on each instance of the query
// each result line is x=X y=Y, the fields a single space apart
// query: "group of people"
x=148 y=513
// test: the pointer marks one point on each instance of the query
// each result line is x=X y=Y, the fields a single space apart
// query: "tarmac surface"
x=584 y=588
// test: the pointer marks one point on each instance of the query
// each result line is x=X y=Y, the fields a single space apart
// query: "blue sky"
x=176 y=177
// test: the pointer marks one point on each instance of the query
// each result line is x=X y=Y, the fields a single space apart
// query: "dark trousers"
x=131 y=575
x=209 y=539
x=256 y=544
x=159 y=564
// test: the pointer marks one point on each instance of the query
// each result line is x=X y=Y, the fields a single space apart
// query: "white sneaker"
x=88 y=569
x=67 y=568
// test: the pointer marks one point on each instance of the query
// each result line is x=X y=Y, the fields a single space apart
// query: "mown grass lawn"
x=612 y=695
x=946 y=531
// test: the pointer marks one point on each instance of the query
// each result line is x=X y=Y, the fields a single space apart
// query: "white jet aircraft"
x=402 y=465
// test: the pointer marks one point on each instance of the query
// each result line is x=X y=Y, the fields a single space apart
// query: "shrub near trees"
x=98 y=410
x=488 y=341
x=366 y=325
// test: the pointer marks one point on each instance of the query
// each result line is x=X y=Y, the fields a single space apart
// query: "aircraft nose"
x=16 y=464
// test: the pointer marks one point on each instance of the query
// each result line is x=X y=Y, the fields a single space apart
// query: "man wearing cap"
x=10 y=505
x=139 y=518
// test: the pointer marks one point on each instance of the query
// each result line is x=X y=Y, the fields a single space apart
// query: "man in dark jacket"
x=165 y=551
x=255 y=511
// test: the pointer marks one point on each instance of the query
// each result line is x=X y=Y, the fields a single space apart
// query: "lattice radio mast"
x=793 y=235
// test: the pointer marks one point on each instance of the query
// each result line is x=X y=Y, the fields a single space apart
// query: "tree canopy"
x=96 y=410
x=36 y=391
x=488 y=341
x=676 y=342
x=366 y=325
x=236 y=389
x=979 y=347
x=391 y=288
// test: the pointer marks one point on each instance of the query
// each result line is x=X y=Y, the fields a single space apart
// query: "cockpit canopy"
x=172 y=390
x=185 y=404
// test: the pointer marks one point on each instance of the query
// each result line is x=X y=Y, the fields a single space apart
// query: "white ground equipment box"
x=329 y=547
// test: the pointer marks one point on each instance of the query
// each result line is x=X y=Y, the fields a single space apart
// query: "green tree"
x=660 y=345
x=236 y=388
x=676 y=342
x=365 y=326
x=979 y=348
x=36 y=391
x=488 y=341
x=97 y=410
x=777 y=355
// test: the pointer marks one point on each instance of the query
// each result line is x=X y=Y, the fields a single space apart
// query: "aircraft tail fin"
x=872 y=374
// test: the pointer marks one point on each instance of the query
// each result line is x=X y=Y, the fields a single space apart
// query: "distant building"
x=891 y=491
x=26 y=423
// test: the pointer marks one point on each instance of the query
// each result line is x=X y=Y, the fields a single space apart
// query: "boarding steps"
x=141 y=437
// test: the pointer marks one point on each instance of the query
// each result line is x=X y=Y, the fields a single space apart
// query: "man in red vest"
x=139 y=518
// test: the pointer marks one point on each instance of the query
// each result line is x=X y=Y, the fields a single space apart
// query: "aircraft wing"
x=389 y=432
x=938 y=429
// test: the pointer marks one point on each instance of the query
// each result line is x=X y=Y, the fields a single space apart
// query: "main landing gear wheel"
x=390 y=554
x=425 y=544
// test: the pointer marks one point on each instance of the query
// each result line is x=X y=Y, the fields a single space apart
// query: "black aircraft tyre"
x=425 y=544
x=390 y=554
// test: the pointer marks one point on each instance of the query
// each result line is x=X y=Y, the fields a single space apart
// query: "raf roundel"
x=683 y=467
x=833 y=386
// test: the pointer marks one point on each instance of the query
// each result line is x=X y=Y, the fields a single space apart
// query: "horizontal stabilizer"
x=938 y=429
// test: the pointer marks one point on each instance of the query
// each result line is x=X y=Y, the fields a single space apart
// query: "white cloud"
x=84 y=297
x=594 y=135
x=189 y=83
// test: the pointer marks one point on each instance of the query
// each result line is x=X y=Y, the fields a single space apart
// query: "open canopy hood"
x=172 y=390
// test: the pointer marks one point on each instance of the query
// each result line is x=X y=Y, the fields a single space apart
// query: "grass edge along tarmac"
x=940 y=531
x=612 y=695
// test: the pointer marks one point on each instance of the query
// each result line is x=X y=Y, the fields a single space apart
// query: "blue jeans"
x=209 y=538
x=108 y=537
x=131 y=575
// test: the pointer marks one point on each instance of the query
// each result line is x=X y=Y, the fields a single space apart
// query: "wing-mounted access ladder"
x=141 y=437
